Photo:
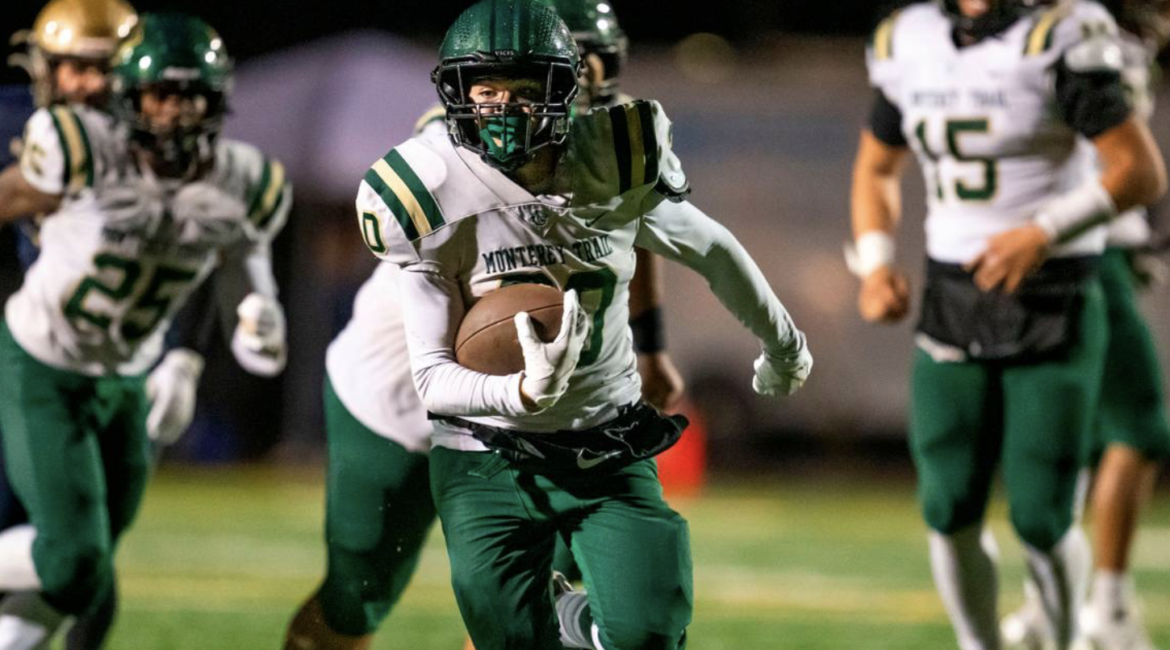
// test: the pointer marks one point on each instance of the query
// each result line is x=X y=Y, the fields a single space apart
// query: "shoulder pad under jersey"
x=624 y=148
x=267 y=191
x=57 y=157
x=1066 y=26
x=396 y=203
x=900 y=37
x=434 y=116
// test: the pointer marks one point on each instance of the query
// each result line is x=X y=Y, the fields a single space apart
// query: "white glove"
x=548 y=366
x=171 y=389
x=258 y=342
x=782 y=374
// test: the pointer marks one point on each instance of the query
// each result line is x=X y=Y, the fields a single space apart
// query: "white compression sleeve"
x=682 y=233
x=434 y=311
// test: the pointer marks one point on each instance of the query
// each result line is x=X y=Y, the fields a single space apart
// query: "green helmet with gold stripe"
x=168 y=57
x=508 y=40
x=598 y=34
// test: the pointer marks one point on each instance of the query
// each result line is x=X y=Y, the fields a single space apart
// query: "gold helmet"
x=84 y=30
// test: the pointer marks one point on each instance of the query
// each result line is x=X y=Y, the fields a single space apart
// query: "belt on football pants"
x=638 y=432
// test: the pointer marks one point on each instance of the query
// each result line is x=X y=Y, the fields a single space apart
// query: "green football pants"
x=78 y=457
x=378 y=511
x=1132 y=410
x=501 y=526
x=1033 y=419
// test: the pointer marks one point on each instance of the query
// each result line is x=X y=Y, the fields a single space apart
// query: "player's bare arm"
x=20 y=199
x=1132 y=174
x=877 y=208
x=662 y=385
x=1133 y=171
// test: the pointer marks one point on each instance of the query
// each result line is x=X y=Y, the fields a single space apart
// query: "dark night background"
x=253 y=27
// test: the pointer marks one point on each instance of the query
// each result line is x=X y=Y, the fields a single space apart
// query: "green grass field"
x=220 y=559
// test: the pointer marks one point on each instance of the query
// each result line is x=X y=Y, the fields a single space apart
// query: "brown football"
x=487 y=340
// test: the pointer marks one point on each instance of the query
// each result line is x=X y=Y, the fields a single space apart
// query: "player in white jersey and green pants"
x=459 y=216
x=378 y=503
x=1131 y=435
x=141 y=208
x=995 y=99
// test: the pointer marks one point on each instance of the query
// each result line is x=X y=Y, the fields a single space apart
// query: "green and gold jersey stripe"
x=401 y=190
x=75 y=145
x=434 y=114
x=882 y=40
x=267 y=194
x=649 y=142
x=1040 y=38
x=635 y=145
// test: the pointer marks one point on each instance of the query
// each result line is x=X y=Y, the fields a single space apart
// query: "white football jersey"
x=983 y=120
x=440 y=212
x=369 y=365
x=126 y=248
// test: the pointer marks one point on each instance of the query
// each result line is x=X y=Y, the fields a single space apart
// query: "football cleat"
x=1025 y=629
x=1116 y=630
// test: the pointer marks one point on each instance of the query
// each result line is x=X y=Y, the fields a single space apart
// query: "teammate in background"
x=378 y=503
x=141 y=207
x=67 y=57
x=1131 y=436
x=993 y=98
x=573 y=443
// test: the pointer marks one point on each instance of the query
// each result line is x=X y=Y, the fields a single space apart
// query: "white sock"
x=569 y=606
x=27 y=622
x=965 y=575
x=1112 y=594
x=596 y=633
x=1061 y=576
x=17 y=572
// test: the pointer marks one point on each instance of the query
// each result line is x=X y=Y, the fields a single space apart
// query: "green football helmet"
x=509 y=40
x=597 y=32
x=171 y=54
x=999 y=17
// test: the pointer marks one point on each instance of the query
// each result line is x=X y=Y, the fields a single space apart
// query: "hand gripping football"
x=486 y=341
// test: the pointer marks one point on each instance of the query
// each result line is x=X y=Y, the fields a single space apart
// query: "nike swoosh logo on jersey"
x=590 y=463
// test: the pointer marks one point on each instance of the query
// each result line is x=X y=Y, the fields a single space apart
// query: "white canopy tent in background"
x=329 y=108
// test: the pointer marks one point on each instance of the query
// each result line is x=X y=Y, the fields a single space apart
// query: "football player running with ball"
x=997 y=98
x=378 y=503
x=518 y=191
x=141 y=206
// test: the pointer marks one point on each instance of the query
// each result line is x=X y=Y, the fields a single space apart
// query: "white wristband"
x=1072 y=213
x=871 y=251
